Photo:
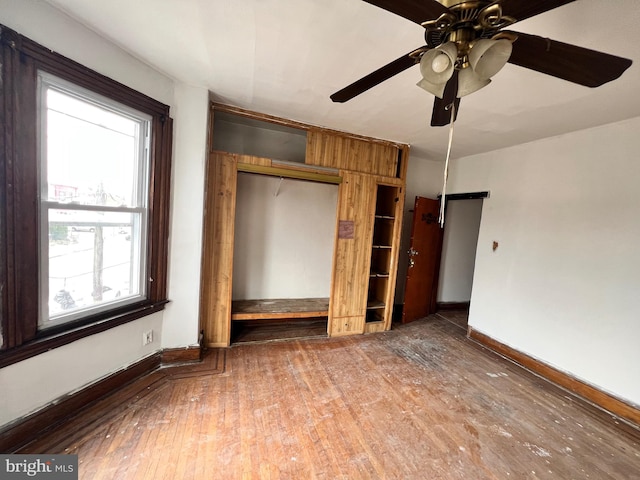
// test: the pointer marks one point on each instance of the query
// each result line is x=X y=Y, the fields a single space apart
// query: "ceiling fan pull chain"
x=446 y=164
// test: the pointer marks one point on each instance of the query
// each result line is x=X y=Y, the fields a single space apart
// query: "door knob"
x=412 y=262
x=412 y=252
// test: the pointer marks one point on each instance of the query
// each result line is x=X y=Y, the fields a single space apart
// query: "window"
x=84 y=189
x=93 y=202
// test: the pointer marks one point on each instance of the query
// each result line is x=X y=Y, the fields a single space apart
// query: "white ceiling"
x=285 y=57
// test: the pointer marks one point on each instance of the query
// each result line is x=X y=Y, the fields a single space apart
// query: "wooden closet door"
x=356 y=206
x=217 y=254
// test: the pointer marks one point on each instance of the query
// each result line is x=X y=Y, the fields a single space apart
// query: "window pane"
x=94 y=186
x=94 y=260
x=92 y=153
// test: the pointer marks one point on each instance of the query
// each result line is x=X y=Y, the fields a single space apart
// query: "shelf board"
x=383 y=246
x=385 y=217
x=379 y=275
x=286 y=171
x=374 y=303
x=279 y=308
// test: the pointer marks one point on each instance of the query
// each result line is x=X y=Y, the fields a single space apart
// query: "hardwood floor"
x=418 y=402
x=457 y=317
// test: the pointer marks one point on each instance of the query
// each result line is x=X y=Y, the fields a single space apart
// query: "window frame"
x=139 y=202
x=21 y=60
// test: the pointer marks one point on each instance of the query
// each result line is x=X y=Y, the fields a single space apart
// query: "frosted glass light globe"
x=440 y=63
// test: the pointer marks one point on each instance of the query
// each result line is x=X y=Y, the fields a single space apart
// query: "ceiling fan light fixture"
x=469 y=82
x=487 y=57
x=440 y=63
x=434 y=89
x=437 y=64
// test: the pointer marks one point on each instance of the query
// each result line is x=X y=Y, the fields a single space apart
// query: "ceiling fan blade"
x=374 y=78
x=417 y=11
x=568 y=62
x=441 y=115
x=521 y=9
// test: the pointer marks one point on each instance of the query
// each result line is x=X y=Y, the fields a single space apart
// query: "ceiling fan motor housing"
x=465 y=22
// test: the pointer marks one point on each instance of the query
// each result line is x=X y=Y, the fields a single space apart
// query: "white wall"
x=31 y=384
x=424 y=179
x=181 y=316
x=283 y=243
x=44 y=24
x=563 y=284
x=461 y=228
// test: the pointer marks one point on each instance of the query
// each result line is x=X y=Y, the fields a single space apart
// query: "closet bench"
x=275 y=308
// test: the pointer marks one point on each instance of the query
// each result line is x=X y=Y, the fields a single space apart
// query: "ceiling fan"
x=466 y=45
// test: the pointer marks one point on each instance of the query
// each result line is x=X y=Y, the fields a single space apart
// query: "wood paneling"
x=354 y=154
x=287 y=172
x=340 y=326
x=217 y=263
x=251 y=160
x=356 y=203
x=363 y=163
x=374 y=327
x=418 y=402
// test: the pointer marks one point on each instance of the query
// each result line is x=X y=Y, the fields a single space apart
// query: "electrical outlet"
x=147 y=337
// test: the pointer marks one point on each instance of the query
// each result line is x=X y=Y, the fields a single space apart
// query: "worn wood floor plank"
x=418 y=402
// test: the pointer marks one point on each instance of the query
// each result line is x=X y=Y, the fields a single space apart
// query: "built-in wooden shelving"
x=383 y=254
x=371 y=175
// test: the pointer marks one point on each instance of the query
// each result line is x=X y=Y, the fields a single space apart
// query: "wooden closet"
x=371 y=175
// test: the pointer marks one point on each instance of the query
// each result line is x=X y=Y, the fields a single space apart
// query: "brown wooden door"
x=424 y=261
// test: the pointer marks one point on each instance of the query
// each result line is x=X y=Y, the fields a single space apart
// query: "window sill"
x=48 y=340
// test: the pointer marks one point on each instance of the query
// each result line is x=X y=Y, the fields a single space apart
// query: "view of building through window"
x=93 y=183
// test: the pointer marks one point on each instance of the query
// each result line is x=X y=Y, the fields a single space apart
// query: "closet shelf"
x=379 y=274
x=374 y=303
x=278 y=308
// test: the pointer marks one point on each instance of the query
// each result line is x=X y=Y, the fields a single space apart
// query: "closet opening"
x=283 y=255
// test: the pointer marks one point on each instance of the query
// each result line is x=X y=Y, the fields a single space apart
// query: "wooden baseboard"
x=603 y=400
x=452 y=305
x=172 y=356
x=27 y=429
